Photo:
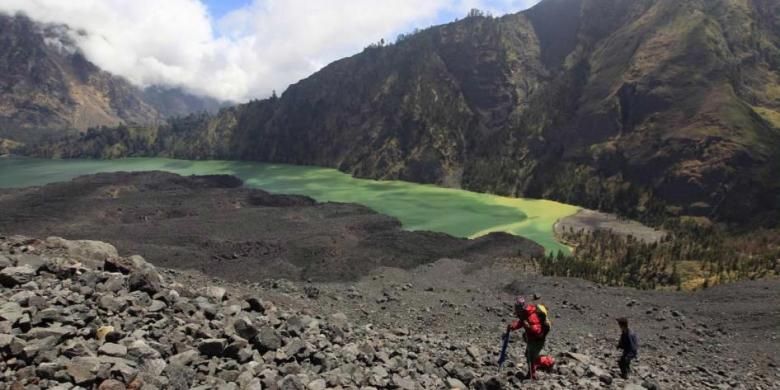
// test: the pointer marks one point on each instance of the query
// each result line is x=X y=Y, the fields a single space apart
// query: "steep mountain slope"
x=171 y=102
x=648 y=107
x=48 y=87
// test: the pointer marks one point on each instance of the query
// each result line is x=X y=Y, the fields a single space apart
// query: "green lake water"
x=417 y=206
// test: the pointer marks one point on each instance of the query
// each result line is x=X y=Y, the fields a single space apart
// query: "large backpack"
x=544 y=318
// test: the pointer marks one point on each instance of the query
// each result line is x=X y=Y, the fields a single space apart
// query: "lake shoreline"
x=426 y=207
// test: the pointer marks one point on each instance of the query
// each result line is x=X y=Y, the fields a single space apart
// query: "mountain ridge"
x=49 y=88
x=649 y=108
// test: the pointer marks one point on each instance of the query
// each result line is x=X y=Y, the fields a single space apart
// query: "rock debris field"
x=77 y=315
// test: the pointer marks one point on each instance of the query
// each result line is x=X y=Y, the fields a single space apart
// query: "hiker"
x=629 y=343
x=533 y=319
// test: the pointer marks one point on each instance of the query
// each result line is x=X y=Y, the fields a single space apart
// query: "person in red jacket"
x=534 y=336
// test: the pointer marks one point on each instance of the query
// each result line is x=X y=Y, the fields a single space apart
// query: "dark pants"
x=532 y=351
x=625 y=365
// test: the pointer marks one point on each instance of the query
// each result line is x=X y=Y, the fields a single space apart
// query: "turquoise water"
x=417 y=206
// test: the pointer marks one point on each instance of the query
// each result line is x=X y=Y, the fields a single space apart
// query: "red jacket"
x=532 y=324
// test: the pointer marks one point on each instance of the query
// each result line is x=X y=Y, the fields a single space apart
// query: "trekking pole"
x=504 y=345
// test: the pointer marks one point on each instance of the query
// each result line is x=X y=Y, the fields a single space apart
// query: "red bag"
x=544 y=363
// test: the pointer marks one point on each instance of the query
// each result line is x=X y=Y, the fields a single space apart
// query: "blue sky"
x=219 y=8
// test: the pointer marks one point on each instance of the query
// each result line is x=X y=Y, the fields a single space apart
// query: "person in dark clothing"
x=629 y=343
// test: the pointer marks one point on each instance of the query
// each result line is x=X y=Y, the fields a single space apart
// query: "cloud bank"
x=244 y=54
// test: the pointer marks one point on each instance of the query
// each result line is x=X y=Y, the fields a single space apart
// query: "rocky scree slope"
x=648 y=108
x=75 y=315
x=214 y=224
x=47 y=87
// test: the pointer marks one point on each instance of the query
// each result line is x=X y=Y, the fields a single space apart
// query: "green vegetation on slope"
x=692 y=256
x=652 y=109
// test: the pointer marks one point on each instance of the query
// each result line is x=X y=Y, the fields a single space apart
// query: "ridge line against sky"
x=237 y=50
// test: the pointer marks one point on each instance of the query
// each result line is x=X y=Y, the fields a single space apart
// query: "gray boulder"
x=179 y=376
x=14 y=276
x=267 y=340
x=89 y=252
x=146 y=280
x=140 y=350
x=245 y=329
x=52 y=331
x=5 y=262
x=215 y=293
x=454 y=383
x=34 y=261
x=404 y=382
x=185 y=358
x=112 y=349
x=317 y=384
x=111 y=384
x=11 y=312
x=291 y=382
x=212 y=347
x=83 y=370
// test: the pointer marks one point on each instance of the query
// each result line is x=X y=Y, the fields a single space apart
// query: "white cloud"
x=247 y=53
x=495 y=7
